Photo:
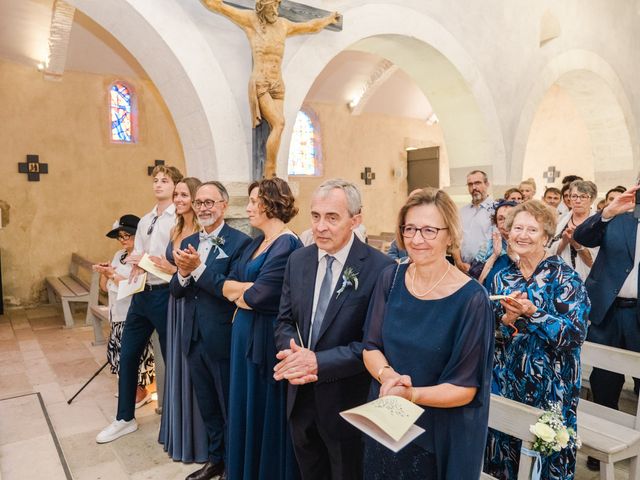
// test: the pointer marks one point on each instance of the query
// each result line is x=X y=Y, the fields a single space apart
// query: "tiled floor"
x=38 y=355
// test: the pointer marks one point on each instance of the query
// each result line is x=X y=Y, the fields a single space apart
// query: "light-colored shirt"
x=336 y=269
x=580 y=267
x=629 y=288
x=118 y=308
x=476 y=228
x=155 y=244
x=204 y=248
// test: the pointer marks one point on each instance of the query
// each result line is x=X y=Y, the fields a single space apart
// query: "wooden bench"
x=98 y=314
x=514 y=418
x=610 y=435
x=81 y=286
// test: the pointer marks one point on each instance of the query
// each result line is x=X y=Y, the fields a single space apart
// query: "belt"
x=150 y=288
x=626 y=302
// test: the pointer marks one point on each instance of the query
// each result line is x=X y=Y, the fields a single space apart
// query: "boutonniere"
x=217 y=241
x=349 y=279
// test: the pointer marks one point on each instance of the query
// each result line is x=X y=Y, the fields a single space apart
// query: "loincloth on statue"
x=259 y=88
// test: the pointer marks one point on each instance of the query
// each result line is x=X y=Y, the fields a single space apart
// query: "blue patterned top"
x=541 y=363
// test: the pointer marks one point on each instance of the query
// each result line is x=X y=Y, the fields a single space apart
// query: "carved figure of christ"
x=267 y=33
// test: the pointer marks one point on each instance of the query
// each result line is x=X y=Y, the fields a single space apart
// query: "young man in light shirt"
x=148 y=310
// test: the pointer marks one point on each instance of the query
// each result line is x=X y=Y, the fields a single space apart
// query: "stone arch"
x=602 y=103
x=413 y=41
x=190 y=79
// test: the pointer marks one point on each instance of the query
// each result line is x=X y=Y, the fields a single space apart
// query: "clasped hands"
x=298 y=365
x=518 y=305
x=396 y=384
x=187 y=260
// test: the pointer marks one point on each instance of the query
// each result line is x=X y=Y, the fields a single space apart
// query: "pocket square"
x=221 y=254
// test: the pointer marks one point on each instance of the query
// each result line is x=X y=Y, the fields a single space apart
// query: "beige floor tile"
x=36 y=458
x=103 y=471
x=50 y=392
x=140 y=450
x=28 y=345
x=44 y=311
x=15 y=384
x=12 y=367
x=24 y=334
x=80 y=417
x=36 y=354
x=82 y=451
x=69 y=355
x=20 y=324
x=9 y=346
x=6 y=332
x=167 y=471
x=72 y=372
x=21 y=419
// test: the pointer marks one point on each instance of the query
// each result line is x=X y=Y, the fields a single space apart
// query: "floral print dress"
x=539 y=365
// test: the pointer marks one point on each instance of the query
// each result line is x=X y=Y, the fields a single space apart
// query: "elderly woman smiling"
x=429 y=339
x=542 y=325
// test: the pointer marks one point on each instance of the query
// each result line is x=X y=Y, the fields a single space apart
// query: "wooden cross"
x=155 y=164
x=368 y=176
x=33 y=168
x=294 y=11
x=551 y=174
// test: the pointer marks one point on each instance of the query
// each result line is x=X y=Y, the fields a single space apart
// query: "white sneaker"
x=116 y=430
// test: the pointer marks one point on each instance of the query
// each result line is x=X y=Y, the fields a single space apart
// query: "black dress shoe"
x=593 y=464
x=207 y=472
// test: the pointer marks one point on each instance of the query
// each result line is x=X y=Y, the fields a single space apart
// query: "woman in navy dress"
x=429 y=339
x=182 y=431
x=259 y=444
x=540 y=335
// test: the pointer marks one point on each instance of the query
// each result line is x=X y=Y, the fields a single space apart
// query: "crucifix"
x=551 y=174
x=368 y=176
x=33 y=168
x=155 y=164
x=267 y=29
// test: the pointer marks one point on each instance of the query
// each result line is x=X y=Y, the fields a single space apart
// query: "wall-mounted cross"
x=33 y=168
x=551 y=174
x=368 y=176
x=294 y=11
x=155 y=164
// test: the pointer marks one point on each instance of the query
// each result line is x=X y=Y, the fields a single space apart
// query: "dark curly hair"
x=276 y=198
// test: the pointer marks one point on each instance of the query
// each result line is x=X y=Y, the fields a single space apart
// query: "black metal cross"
x=368 y=176
x=33 y=168
x=551 y=174
x=155 y=164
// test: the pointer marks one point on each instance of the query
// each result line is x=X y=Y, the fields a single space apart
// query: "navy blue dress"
x=182 y=431
x=259 y=445
x=540 y=365
x=448 y=340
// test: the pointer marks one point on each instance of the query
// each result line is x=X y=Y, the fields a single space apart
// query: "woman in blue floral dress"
x=541 y=330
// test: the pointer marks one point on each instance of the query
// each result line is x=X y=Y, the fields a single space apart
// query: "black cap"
x=127 y=223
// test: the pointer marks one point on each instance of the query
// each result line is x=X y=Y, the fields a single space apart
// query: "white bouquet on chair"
x=552 y=435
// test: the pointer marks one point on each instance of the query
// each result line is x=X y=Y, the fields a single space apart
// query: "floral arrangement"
x=552 y=435
x=217 y=241
x=349 y=279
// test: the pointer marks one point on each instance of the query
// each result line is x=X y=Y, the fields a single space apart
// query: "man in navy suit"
x=325 y=297
x=613 y=289
x=204 y=260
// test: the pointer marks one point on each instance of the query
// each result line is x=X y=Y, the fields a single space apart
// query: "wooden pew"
x=74 y=287
x=514 y=418
x=610 y=435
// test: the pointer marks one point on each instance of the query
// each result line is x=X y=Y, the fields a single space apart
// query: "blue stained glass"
x=302 y=152
x=121 y=124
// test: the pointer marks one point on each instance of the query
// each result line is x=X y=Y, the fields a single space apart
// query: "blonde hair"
x=192 y=184
x=444 y=204
x=529 y=181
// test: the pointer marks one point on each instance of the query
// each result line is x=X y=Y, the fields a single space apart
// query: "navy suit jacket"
x=342 y=379
x=617 y=241
x=206 y=310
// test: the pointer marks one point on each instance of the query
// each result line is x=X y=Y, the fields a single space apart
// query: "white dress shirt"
x=336 y=269
x=118 y=308
x=204 y=248
x=476 y=228
x=629 y=288
x=155 y=244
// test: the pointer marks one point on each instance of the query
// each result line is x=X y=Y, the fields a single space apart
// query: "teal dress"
x=259 y=444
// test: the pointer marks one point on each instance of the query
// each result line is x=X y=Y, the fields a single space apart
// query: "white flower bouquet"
x=552 y=435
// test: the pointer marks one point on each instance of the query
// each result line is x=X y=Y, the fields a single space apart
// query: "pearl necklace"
x=420 y=295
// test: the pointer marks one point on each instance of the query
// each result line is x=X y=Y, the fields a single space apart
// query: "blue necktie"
x=323 y=302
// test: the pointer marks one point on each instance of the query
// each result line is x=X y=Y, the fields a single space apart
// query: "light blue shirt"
x=476 y=228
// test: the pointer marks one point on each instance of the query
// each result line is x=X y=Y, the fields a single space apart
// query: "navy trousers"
x=210 y=379
x=148 y=312
x=621 y=329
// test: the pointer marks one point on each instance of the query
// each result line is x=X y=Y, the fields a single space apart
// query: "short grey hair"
x=354 y=201
x=219 y=186
x=585 y=186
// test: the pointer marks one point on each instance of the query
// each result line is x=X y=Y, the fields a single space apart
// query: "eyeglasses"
x=153 y=223
x=581 y=197
x=208 y=204
x=428 y=233
x=123 y=237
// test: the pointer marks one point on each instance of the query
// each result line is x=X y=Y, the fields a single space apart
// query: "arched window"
x=305 y=151
x=122 y=113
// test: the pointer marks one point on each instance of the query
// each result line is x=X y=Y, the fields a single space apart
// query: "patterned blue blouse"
x=540 y=364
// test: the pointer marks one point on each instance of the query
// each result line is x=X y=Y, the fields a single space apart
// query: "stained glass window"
x=305 y=148
x=121 y=111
